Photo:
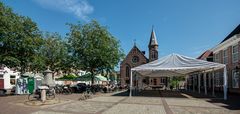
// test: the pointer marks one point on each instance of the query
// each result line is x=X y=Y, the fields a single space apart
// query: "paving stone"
x=135 y=109
x=49 y=112
x=143 y=100
x=189 y=102
x=83 y=107
x=197 y=110
x=107 y=99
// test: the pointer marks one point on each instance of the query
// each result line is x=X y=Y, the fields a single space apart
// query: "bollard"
x=43 y=95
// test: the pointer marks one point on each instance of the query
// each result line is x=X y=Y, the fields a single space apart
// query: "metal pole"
x=193 y=84
x=199 y=83
x=213 y=83
x=186 y=83
x=205 y=83
x=209 y=80
x=225 y=83
x=130 y=94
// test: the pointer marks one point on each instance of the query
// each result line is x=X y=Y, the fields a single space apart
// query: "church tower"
x=153 y=47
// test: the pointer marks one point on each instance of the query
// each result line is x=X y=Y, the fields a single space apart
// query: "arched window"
x=153 y=54
x=127 y=71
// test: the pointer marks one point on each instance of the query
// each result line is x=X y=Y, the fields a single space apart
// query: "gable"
x=134 y=52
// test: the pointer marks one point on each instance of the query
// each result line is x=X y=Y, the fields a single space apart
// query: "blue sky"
x=187 y=27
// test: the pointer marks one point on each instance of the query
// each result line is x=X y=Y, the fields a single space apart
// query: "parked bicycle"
x=58 y=89
x=50 y=94
x=87 y=94
x=66 y=89
x=35 y=95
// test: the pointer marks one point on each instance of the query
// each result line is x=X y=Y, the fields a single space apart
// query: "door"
x=1 y=84
x=155 y=81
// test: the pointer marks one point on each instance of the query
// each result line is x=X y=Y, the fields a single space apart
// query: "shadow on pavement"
x=233 y=102
x=153 y=93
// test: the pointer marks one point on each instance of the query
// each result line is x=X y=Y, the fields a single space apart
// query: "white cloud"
x=80 y=8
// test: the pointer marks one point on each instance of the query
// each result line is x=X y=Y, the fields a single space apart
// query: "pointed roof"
x=153 y=39
x=129 y=54
x=205 y=55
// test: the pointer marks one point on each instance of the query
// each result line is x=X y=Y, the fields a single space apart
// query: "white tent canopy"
x=178 y=65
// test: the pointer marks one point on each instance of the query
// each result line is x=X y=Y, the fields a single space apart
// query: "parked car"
x=80 y=87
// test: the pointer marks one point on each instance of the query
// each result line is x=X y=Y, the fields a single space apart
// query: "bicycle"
x=50 y=94
x=86 y=94
x=66 y=90
x=35 y=95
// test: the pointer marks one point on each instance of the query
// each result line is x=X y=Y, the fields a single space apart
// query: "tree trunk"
x=92 y=78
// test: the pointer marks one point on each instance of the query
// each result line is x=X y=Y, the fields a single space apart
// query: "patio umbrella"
x=87 y=77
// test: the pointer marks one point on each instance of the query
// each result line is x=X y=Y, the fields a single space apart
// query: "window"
x=162 y=80
x=153 y=54
x=225 y=56
x=235 y=53
x=218 y=79
x=216 y=57
x=1 y=75
x=127 y=71
x=235 y=79
x=12 y=80
x=155 y=81
x=135 y=59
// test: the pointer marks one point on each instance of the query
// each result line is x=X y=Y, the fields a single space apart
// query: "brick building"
x=227 y=52
x=137 y=57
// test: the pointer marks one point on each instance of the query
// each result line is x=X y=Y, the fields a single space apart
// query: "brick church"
x=137 y=57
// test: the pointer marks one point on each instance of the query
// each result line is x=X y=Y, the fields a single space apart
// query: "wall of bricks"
x=128 y=62
x=231 y=66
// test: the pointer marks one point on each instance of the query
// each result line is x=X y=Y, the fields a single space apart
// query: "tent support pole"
x=199 y=83
x=193 y=83
x=186 y=83
x=225 y=83
x=130 y=94
x=209 y=80
x=205 y=83
x=213 y=83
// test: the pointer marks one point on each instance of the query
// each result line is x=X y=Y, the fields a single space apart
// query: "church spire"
x=153 y=47
x=134 y=42
x=153 y=39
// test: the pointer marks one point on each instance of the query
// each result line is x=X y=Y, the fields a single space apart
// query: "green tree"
x=54 y=51
x=19 y=39
x=94 y=47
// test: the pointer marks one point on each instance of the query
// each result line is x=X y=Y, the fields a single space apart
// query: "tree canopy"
x=89 y=46
x=94 y=47
x=19 y=39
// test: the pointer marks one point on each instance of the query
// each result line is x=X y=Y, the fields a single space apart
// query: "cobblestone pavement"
x=118 y=104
